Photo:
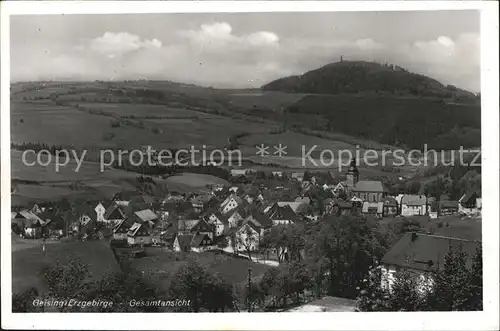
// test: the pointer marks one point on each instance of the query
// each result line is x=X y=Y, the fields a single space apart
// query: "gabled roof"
x=202 y=226
x=29 y=215
x=369 y=186
x=221 y=217
x=123 y=226
x=468 y=198
x=414 y=200
x=146 y=215
x=114 y=212
x=184 y=241
x=426 y=252
x=186 y=225
x=198 y=239
x=282 y=213
x=262 y=219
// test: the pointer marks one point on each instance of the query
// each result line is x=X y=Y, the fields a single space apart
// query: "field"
x=189 y=182
x=28 y=263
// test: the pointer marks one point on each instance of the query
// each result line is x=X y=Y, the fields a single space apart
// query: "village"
x=238 y=219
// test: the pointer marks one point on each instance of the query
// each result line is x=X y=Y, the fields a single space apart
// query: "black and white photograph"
x=209 y=158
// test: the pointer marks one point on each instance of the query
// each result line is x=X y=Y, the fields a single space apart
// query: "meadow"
x=28 y=263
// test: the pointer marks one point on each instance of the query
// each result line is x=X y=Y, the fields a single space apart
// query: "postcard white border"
x=487 y=319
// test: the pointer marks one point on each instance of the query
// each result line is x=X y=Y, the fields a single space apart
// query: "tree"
x=413 y=187
x=23 y=302
x=341 y=250
x=204 y=290
x=372 y=295
x=453 y=289
x=436 y=188
x=66 y=280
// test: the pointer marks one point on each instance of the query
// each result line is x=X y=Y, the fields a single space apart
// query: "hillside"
x=362 y=77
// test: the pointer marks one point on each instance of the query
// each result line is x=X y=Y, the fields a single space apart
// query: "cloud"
x=114 y=44
x=214 y=54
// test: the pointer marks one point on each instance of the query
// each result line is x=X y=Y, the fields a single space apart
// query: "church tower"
x=352 y=176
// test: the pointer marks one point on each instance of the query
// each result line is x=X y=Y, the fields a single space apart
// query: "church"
x=366 y=190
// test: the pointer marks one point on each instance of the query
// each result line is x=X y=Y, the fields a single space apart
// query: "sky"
x=238 y=50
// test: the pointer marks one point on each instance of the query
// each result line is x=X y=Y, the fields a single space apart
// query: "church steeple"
x=352 y=176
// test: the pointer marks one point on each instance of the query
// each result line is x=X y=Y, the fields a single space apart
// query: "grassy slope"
x=27 y=264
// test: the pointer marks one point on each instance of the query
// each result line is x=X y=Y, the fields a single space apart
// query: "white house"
x=220 y=223
x=244 y=238
x=421 y=255
x=412 y=205
x=470 y=204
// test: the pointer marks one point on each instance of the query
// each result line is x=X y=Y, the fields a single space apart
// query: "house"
x=220 y=223
x=54 y=223
x=234 y=216
x=338 y=207
x=124 y=198
x=100 y=210
x=200 y=201
x=282 y=214
x=470 y=204
x=296 y=206
x=421 y=255
x=114 y=214
x=138 y=234
x=448 y=208
x=373 y=208
x=238 y=172
x=390 y=206
x=146 y=217
x=299 y=176
x=201 y=242
x=182 y=243
x=36 y=209
x=121 y=229
x=370 y=190
x=184 y=226
x=412 y=205
x=202 y=227
x=231 y=202
x=244 y=238
x=261 y=220
x=30 y=224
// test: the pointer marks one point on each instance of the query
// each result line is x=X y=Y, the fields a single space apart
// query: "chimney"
x=414 y=236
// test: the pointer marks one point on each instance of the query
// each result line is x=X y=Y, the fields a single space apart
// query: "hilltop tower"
x=352 y=176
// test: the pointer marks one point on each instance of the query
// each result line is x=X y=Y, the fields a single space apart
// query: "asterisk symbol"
x=262 y=150
x=280 y=150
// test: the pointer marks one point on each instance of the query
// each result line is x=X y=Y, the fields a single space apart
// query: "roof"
x=390 y=201
x=196 y=241
x=414 y=200
x=123 y=226
x=262 y=219
x=134 y=229
x=29 y=215
x=184 y=241
x=186 y=224
x=282 y=213
x=343 y=204
x=369 y=186
x=448 y=204
x=146 y=215
x=221 y=217
x=114 y=212
x=296 y=206
x=468 y=198
x=426 y=252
